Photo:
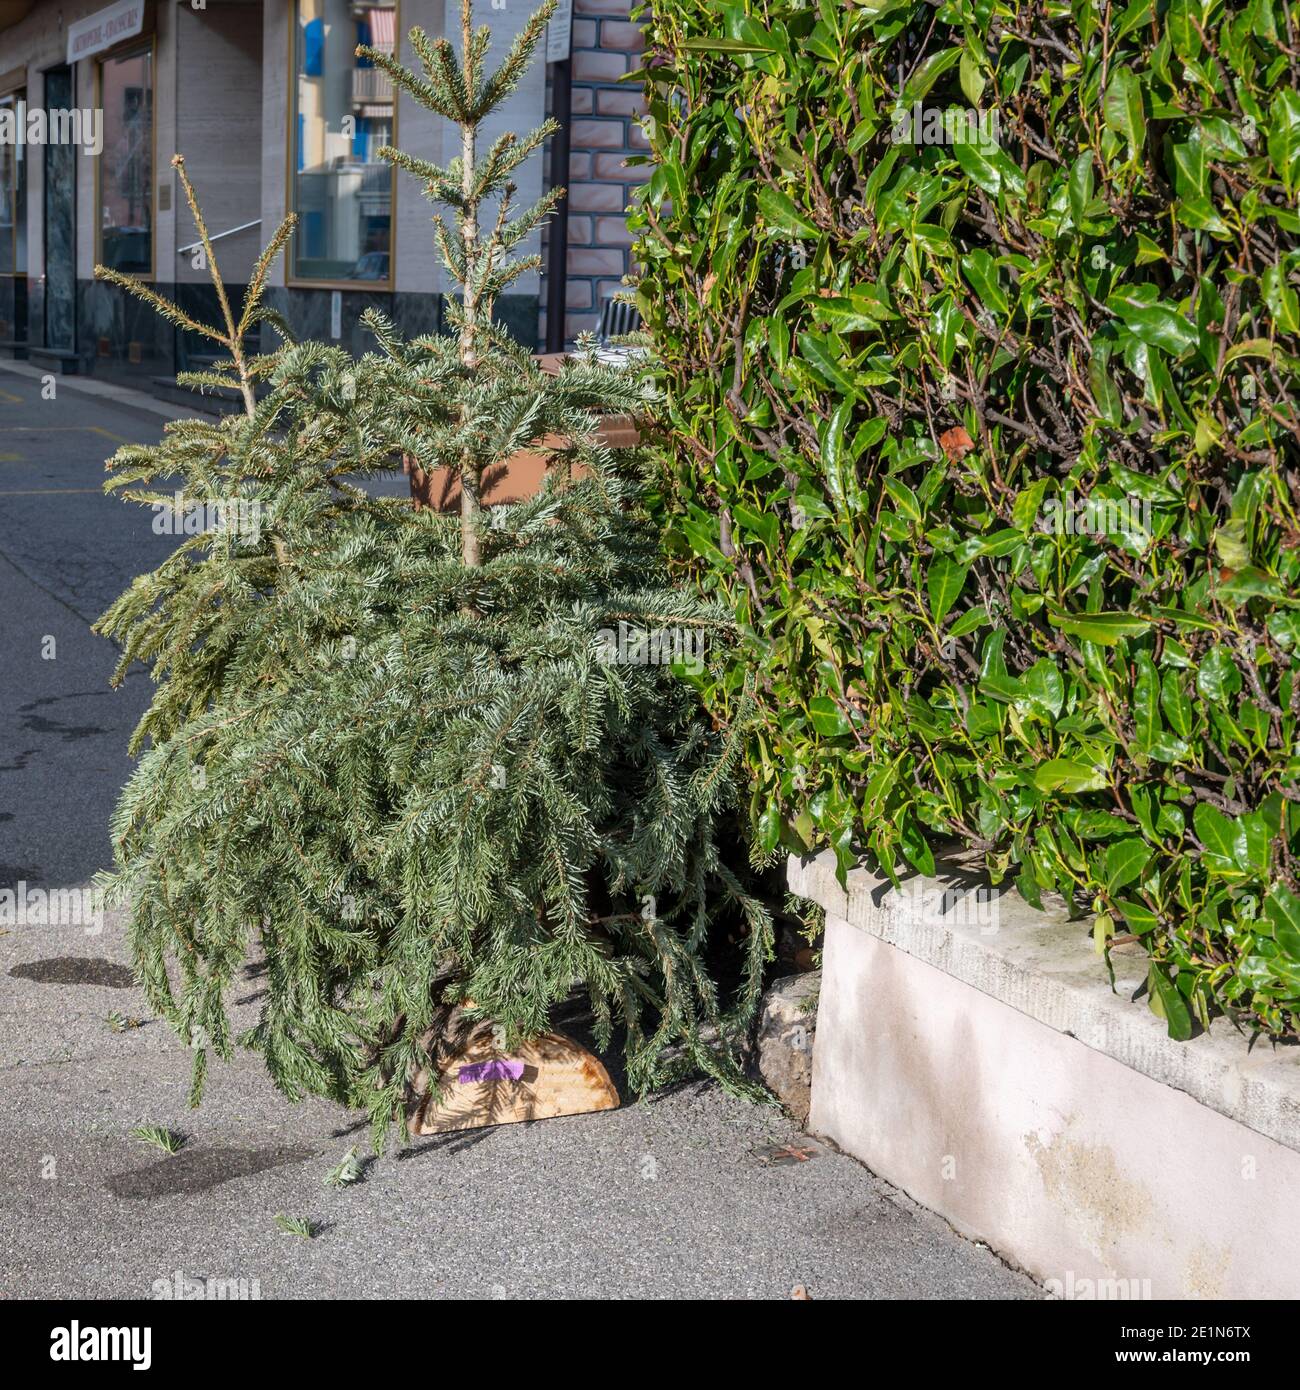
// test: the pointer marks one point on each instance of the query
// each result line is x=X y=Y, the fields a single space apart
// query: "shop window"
x=126 y=166
x=13 y=191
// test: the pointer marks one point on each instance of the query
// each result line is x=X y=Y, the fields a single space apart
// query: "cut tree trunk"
x=484 y=1084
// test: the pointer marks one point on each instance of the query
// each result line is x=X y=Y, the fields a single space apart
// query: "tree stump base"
x=542 y=1078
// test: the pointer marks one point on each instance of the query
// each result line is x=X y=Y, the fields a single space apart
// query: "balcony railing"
x=371 y=87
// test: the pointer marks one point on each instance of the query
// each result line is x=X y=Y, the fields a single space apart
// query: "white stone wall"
x=971 y=1051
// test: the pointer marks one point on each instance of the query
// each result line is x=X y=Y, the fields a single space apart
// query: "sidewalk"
x=669 y=1198
x=136 y=401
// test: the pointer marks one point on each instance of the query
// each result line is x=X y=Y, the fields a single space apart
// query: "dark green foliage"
x=389 y=755
x=894 y=369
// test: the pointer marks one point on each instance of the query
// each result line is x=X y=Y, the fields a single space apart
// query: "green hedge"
x=992 y=443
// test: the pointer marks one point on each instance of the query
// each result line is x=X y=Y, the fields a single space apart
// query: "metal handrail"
x=243 y=227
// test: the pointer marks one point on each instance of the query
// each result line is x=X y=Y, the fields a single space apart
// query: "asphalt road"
x=66 y=551
x=674 y=1197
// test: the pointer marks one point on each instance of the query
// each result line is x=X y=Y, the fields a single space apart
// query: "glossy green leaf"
x=1218 y=835
x=778 y=210
x=1283 y=910
x=1123 y=107
x=1104 y=628
x=944 y=585
x=1167 y=1003
x=1125 y=862
x=1063 y=775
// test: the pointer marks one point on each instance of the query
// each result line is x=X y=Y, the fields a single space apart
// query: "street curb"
x=138 y=403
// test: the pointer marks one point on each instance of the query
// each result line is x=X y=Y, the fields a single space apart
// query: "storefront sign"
x=104 y=28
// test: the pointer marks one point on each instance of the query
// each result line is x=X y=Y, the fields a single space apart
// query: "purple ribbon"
x=490 y=1071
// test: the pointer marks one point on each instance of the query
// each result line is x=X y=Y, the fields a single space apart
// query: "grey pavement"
x=671 y=1197
x=66 y=551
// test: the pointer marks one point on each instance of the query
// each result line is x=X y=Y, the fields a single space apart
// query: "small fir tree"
x=401 y=757
x=469 y=400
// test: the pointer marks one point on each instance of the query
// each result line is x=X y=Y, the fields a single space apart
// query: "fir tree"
x=469 y=401
x=399 y=756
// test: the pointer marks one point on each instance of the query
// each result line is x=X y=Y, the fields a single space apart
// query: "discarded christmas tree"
x=409 y=760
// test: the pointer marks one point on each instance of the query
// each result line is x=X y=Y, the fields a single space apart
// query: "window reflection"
x=13 y=195
x=126 y=165
x=342 y=191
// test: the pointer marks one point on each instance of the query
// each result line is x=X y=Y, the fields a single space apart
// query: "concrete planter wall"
x=971 y=1051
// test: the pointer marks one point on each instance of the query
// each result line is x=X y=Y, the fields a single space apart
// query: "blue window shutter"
x=313 y=48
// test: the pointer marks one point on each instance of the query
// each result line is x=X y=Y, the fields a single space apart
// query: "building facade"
x=605 y=133
x=274 y=113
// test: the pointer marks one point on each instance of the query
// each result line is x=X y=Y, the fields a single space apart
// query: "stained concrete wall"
x=977 y=1058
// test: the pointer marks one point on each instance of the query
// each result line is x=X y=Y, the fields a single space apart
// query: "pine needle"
x=301 y=1226
x=346 y=1172
x=168 y=1140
